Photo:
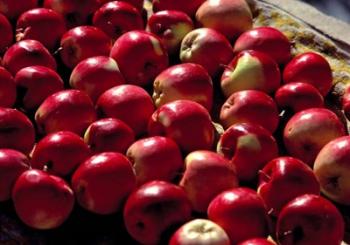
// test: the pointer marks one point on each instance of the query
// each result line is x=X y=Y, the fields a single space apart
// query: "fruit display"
x=214 y=122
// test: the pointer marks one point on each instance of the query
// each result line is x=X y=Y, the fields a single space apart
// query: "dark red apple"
x=13 y=8
x=8 y=88
x=257 y=241
x=189 y=7
x=6 y=33
x=136 y=3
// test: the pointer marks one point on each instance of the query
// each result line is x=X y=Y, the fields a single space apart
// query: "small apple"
x=188 y=7
x=8 y=88
x=257 y=241
x=6 y=33
x=14 y=8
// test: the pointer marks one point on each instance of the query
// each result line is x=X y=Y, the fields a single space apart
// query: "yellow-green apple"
x=154 y=210
x=42 y=201
x=69 y=109
x=95 y=75
x=310 y=68
x=283 y=179
x=8 y=88
x=198 y=46
x=265 y=39
x=241 y=213
x=250 y=106
x=12 y=164
x=109 y=134
x=250 y=70
x=189 y=7
x=310 y=219
x=59 y=153
x=7 y=33
x=103 y=182
x=249 y=147
x=136 y=3
x=257 y=241
x=155 y=158
x=35 y=84
x=186 y=122
x=141 y=56
x=129 y=103
x=27 y=53
x=309 y=130
x=229 y=17
x=184 y=81
x=203 y=167
x=171 y=26
x=14 y=8
x=200 y=231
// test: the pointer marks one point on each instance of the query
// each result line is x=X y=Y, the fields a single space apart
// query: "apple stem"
x=58 y=50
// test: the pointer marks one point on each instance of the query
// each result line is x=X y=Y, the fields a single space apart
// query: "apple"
x=229 y=17
x=265 y=39
x=188 y=7
x=241 y=213
x=250 y=106
x=153 y=209
x=155 y=158
x=257 y=241
x=345 y=102
x=42 y=201
x=184 y=81
x=103 y=182
x=206 y=47
x=250 y=70
x=171 y=26
x=310 y=68
x=116 y=18
x=310 y=219
x=141 y=56
x=69 y=109
x=136 y=3
x=109 y=134
x=249 y=147
x=7 y=33
x=27 y=53
x=186 y=122
x=8 y=88
x=12 y=164
x=35 y=84
x=129 y=103
x=13 y=8
x=309 y=130
x=95 y=75
x=283 y=179
x=200 y=231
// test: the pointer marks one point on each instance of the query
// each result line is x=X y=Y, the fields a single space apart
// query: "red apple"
x=6 y=33
x=189 y=7
x=183 y=81
x=13 y=8
x=141 y=56
x=310 y=219
x=95 y=75
x=257 y=241
x=345 y=102
x=42 y=201
x=8 y=88
x=103 y=182
x=155 y=158
x=136 y=3
x=153 y=209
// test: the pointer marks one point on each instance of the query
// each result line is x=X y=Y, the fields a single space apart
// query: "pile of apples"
x=111 y=107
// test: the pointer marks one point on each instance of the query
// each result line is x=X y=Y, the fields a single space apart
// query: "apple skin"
x=310 y=68
x=141 y=56
x=27 y=53
x=109 y=134
x=42 y=201
x=12 y=164
x=310 y=219
x=95 y=75
x=153 y=209
x=298 y=96
x=250 y=106
x=136 y=3
x=188 y=7
x=250 y=70
x=171 y=26
x=249 y=147
x=157 y=152
x=8 y=88
x=103 y=182
x=345 y=102
x=203 y=167
x=69 y=109
x=14 y=8
x=38 y=24
x=59 y=153
x=265 y=39
x=35 y=84
x=200 y=231
x=16 y=130
x=184 y=81
x=129 y=103
x=309 y=130
x=257 y=241
x=283 y=179
x=241 y=213
x=206 y=47
x=186 y=122
x=6 y=33
x=228 y=17
x=116 y=18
